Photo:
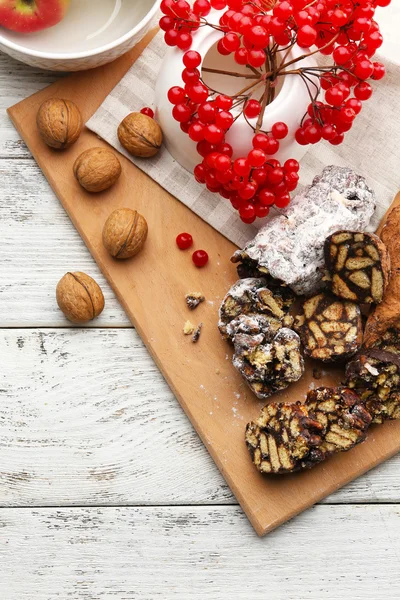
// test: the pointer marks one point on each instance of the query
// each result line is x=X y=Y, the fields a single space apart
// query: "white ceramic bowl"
x=92 y=33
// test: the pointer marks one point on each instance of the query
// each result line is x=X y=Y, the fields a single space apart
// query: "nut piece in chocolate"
x=357 y=266
x=342 y=416
x=284 y=439
x=194 y=299
x=269 y=361
x=252 y=296
x=330 y=329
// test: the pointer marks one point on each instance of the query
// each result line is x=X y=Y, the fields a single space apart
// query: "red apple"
x=26 y=16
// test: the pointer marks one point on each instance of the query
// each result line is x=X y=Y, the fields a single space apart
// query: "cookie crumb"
x=217 y=371
x=317 y=373
x=188 y=328
x=194 y=299
x=196 y=334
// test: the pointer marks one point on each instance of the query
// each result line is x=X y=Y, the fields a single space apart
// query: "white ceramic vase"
x=289 y=105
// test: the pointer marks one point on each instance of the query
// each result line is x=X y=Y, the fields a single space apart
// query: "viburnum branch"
x=260 y=35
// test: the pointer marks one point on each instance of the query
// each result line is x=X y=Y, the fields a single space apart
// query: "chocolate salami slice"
x=342 y=416
x=357 y=266
x=330 y=329
x=252 y=296
x=375 y=375
x=268 y=361
x=284 y=439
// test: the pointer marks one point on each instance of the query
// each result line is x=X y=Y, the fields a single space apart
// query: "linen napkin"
x=371 y=148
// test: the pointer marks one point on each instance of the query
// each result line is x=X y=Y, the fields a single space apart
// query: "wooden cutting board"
x=151 y=288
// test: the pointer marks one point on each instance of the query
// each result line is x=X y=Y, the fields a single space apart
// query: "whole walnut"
x=125 y=233
x=140 y=135
x=59 y=123
x=97 y=169
x=79 y=297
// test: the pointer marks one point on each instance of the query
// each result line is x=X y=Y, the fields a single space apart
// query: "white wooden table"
x=105 y=489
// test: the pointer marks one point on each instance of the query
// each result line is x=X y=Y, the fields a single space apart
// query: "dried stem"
x=230 y=73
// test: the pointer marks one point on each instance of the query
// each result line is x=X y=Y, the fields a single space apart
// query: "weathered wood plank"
x=38 y=245
x=182 y=552
x=17 y=81
x=86 y=418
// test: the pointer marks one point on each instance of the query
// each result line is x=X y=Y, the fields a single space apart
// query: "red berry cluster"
x=260 y=34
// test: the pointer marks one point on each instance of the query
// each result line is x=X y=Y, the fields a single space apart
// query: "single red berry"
x=339 y=18
x=198 y=93
x=231 y=42
x=202 y=8
x=337 y=140
x=196 y=132
x=267 y=197
x=148 y=112
x=222 y=163
x=248 y=191
x=276 y=176
x=191 y=76
x=171 y=37
x=282 y=200
x=213 y=134
x=241 y=56
x=334 y=96
x=252 y=109
x=184 y=241
x=184 y=40
x=328 y=132
x=199 y=173
x=312 y=133
x=363 y=91
x=272 y=145
x=300 y=137
x=279 y=130
x=192 y=59
x=166 y=23
x=207 y=112
x=224 y=119
x=354 y=104
x=176 y=95
x=181 y=113
x=200 y=258
x=257 y=157
x=256 y=58
x=291 y=165
x=364 y=69
x=247 y=212
x=262 y=211
x=306 y=36
x=241 y=167
x=379 y=71
x=224 y=102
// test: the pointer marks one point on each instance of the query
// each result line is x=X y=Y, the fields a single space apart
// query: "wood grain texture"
x=16 y=82
x=86 y=418
x=178 y=553
x=39 y=245
x=151 y=289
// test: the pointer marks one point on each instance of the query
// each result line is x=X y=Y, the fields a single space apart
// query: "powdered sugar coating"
x=291 y=246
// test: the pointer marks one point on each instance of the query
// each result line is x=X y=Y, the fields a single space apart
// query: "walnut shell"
x=125 y=233
x=79 y=297
x=59 y=123
x=140 y=135
x=97 y=169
